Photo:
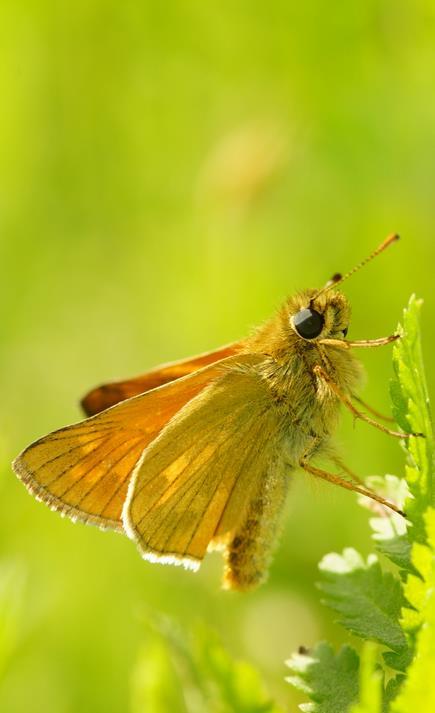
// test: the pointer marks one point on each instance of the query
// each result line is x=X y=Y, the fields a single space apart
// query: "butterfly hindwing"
x=193 y=484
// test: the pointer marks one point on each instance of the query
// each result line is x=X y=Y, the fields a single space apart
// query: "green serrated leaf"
x=391 y=692
x=368 y=600
x=415 y=588
x=398 y=661
x=411 y=409
x=398 y=550
x=330 y=679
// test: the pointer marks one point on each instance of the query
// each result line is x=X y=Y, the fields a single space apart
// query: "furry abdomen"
x=249 y=551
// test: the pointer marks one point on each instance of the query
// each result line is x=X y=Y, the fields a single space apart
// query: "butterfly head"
x=323 y=316
x=325 y=313
x=314 y=316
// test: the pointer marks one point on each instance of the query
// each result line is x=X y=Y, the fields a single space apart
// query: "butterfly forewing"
x=107 y=395
x=195 y=481
x=83 y=470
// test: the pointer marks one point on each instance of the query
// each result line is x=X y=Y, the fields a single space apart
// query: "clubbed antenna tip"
x=338 y=278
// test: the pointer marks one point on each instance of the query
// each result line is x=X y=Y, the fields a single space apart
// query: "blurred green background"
x=169 y=172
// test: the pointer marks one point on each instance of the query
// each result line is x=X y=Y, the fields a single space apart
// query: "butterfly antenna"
x=338 y=278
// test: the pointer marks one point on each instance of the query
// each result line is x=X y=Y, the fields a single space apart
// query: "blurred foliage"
x=376 y=604
x=194 y=673
x=168 y=173
x=11 y=605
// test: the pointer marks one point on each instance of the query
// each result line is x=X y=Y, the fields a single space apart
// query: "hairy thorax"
x=309 y=409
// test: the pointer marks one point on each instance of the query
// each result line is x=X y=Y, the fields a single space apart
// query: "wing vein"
x=242 y=466
x=89 y=470
x=189 y=489
x=146 y=483
x=186 y=432
x=108 y=472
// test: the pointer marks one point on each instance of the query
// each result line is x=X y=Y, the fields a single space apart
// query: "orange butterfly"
x=196 y=454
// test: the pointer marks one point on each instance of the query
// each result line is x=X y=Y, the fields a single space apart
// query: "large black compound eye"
x=308 y=323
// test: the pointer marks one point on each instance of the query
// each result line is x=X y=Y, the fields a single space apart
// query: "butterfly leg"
x=367 y=343
x=342 y=466
x=337 y=480
x=372 y=410
x=321 y=373
x=331 y=454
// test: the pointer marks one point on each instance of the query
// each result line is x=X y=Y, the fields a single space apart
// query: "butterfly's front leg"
x=328 y=451
x=322 y=374
x=342 y=467
x=372 y=410
x=355 y=483
x=338 y=480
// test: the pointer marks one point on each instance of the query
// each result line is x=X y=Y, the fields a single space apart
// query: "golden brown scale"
x=196 y=454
